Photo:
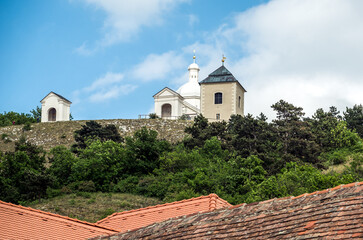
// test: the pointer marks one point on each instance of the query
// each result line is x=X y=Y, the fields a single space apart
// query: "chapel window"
x=218 y=98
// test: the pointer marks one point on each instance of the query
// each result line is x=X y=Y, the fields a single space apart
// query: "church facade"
x=217 y=97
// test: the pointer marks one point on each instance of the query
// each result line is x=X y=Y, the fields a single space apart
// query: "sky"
x=109 y=57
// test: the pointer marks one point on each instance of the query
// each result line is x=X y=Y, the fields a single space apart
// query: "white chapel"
x=216 y=97
x=55 y=108
x=170 y=104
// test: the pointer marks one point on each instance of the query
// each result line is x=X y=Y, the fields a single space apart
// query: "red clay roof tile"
x=138 y=218
x=18 y=222
x=334 y=213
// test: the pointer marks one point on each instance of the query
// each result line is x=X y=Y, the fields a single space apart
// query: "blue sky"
x=109 y=57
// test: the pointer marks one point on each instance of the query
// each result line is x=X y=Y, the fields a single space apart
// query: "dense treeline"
x=247 y=159
x=14 y=118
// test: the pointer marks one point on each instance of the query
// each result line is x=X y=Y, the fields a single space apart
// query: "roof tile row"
x=335 y=213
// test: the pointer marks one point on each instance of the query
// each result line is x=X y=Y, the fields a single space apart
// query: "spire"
x=194 y=55
x=223 y=58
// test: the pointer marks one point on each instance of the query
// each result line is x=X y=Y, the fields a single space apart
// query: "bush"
x=27 y=126
x=153 y=116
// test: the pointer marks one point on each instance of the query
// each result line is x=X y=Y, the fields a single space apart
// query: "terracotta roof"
x=133 y=219
x=18 y=222
x=335 y=213
x=65 y=99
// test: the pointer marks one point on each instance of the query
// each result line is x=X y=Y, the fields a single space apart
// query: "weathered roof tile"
x=138 y=218
x=334 y=213
x=18 y=222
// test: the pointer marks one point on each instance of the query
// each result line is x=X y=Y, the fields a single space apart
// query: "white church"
x=217 y=97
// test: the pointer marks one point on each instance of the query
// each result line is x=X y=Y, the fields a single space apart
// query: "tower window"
x=218 y=116
x=218 y=98
x=239 y=101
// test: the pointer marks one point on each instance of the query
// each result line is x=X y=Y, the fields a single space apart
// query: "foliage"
x=144 y=150
x=94 y=130
x=246 y=159
x=10 y=118
x=22 y=173
x=102 y=163
x=153 y=116
x=296 y=179
x=36 y=113
x=27 y=127
x=201 y=131
x=62 y=161
x=354 y=118
x=296 y=138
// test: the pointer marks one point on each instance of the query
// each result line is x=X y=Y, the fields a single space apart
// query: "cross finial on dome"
x=194 y=55
x=223 y=58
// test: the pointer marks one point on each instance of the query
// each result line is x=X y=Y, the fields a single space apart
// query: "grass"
x=92 y=207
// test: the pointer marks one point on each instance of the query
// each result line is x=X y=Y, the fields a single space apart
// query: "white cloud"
x=125 y=18
x=105 y=82
x=107 y=87
x=193 y=19
x=160 y=66
x=113 y=92
x=306 y=52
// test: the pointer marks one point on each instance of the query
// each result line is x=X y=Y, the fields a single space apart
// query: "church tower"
x=191 y=90
x=221 y=95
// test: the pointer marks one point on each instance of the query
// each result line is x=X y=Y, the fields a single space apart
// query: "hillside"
x=51 y=134
x=92 y=207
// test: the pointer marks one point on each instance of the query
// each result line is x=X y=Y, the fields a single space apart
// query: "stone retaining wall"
x=51 y=134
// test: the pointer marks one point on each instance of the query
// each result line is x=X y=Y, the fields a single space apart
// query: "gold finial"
x=194 y=56
x=223 y=58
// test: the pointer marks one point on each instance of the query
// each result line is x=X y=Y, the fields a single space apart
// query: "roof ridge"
x=56 y=95
x=55 y=215
x=301 y=195
x=157 y=206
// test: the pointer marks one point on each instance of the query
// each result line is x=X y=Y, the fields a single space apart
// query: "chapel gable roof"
x=168 y=90
x=60 y=96
x=18 y=222
x=221 y=75
x=142 y=217
x=335 y=213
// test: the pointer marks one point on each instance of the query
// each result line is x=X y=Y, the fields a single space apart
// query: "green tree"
x=9 y=118
x=36 y=113
x=322 y=123
x=94 y=130
x=22 y=173
x=102 y=162
x=254 y=136
x=296 y=138
x=62 y=161
x=201 y=131
x=144 y=150
x=354 y=118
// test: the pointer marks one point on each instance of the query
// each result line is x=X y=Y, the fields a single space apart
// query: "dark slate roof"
x=221 y=75
x=335 y=213
x=65 y=99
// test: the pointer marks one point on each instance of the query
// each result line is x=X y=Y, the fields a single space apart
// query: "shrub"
x=153 y=116
x=27 y=126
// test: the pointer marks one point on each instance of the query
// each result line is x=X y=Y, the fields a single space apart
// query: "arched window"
x=52 y=115
x=218 y=98
x=166 y=110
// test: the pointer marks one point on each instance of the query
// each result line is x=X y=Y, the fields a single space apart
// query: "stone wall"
x=51 y=134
